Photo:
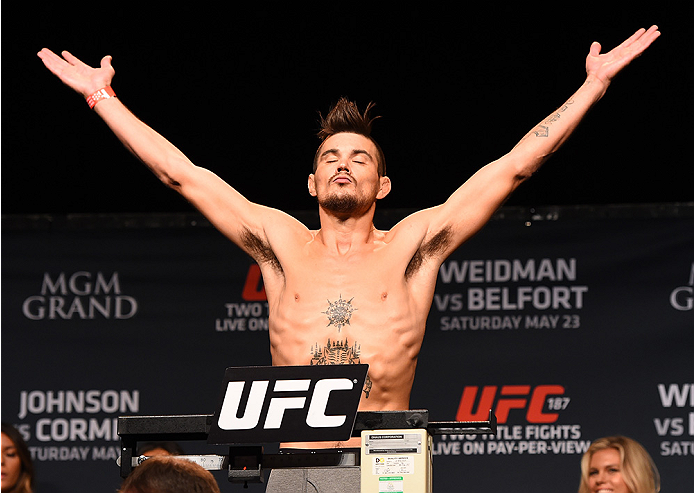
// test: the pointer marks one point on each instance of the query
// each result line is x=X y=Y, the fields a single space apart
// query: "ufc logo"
x=265 y=404
x=512 y=397
x=315 y=416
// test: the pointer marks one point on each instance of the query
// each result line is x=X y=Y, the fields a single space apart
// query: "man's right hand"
x=76 y=74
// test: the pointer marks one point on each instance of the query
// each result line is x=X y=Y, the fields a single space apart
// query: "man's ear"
x=385 y=187
x=312 y=185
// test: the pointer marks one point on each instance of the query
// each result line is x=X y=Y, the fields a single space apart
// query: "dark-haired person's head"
x=151 y=449
x=349 y=168
x=17 y=467
x=169 y=474
x=345 y=117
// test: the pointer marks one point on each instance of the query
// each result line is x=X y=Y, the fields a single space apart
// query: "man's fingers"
x=633 y=38
x=48 y=56
x=641 y=39
x=651 y=35
x=52 y=61
x=644 y=40
x=71 y=59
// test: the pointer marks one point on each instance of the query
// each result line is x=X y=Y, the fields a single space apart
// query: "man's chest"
x=371 y=279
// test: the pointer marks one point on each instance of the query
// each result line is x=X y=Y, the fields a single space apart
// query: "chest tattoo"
x=339 y=313
x=339 y=353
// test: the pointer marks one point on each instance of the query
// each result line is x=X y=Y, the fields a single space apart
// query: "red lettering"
x=465 y=412
x=505 y=405
x=505 y=402
x=254 y=290
x=537 y=403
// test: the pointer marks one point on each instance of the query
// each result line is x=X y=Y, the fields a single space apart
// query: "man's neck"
x=342 y=233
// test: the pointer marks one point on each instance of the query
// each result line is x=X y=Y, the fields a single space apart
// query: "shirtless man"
x=349 y=293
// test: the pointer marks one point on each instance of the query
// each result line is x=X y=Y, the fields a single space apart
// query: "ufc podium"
x=301 y=403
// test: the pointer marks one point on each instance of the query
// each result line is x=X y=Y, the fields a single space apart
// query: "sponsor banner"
x=569 y=331
x=568 y=328
x=675 y=426
x=542 y=431
x=73 y=425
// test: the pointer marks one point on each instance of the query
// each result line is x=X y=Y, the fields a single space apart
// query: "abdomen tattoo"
x=339 y=353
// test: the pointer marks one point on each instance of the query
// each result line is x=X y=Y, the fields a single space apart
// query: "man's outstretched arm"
x=472 y=205
x=228 y=210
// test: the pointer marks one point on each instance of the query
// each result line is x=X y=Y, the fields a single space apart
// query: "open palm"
x=606 y=66
x=77 y=74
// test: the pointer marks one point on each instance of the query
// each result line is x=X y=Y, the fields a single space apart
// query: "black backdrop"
x=570 y=323
x=238 y=90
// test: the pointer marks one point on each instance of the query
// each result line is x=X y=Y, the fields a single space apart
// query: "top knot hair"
x=345 y=117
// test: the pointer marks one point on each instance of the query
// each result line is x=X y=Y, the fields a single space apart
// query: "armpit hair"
x=259 y=249
x=436 y=245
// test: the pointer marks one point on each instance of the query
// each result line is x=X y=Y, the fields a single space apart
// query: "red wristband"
x=104 y=93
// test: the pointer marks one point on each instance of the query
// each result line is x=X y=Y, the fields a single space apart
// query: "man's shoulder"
x=427 y=243
x=412 y=228
x=282 y=226
x=280 y=232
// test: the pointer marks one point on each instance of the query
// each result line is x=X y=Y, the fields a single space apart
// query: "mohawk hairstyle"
x=345 y=117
